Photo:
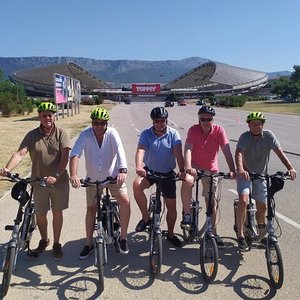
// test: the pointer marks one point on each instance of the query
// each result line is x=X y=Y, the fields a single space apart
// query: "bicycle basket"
x=19 y=192
x=276 y=185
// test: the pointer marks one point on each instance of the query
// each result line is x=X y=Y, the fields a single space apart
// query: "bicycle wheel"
x=100 y=257
x=7 y=269
x=155 y=253
x=274 y=264
x=209 y=258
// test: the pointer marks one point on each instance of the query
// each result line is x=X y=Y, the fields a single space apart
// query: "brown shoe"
x=57 y=252
x=42 y=246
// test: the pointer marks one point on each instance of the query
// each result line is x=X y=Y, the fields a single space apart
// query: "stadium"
x=209 y=77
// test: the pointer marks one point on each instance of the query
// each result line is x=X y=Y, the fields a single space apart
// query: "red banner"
x=145 y=88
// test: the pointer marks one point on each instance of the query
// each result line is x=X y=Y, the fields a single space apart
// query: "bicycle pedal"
x=9 y=227
x=164 y=233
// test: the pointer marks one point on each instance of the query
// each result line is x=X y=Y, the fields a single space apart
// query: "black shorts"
x=168 y=186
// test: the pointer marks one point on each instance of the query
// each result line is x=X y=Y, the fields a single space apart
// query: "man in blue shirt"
x=158 y=149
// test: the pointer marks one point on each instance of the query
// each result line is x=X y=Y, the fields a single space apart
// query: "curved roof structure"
x=41 y=80
x=210 y=76
x=219 y=78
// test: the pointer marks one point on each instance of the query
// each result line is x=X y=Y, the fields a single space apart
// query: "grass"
x=272 y=107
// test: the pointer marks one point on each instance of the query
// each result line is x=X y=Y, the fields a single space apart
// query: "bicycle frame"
x=194 y=233
x=155 y=234
x=208 y=224
x=272 y=250
x=107 y=224
x=21 y=232
x=209 y=256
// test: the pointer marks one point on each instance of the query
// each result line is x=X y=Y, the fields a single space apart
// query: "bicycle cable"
x=218 y=199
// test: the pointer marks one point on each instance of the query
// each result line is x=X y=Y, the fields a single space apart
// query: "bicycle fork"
x=100 y=239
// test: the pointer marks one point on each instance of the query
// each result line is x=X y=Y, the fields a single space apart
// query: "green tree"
x=288 y=88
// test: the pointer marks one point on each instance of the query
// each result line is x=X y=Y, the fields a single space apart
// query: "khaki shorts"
x=115 y=190
x=205 y=184
x=46 y=198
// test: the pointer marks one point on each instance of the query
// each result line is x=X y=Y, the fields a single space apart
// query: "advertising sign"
x=145 y=88
x=60 y=88
x=77 y=90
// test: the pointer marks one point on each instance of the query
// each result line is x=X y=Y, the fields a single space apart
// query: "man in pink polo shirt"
x=201 y=153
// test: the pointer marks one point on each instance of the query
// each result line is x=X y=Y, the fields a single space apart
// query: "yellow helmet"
x=47 y=106
x=256 y=115
x=100 y=113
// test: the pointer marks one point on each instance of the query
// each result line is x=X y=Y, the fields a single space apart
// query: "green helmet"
x=256 y=115
x=100 y=113
x=47 y=106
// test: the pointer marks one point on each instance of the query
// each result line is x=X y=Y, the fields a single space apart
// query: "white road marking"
x=279 y=215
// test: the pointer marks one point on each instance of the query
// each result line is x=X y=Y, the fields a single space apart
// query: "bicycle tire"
x=209 y=258
x=7 y=269
x=100 y=264
x=274 y=264
x=155 y=258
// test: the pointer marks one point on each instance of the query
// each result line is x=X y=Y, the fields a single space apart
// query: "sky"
x=262 y=35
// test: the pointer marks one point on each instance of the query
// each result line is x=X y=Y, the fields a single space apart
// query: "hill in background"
x=115 y=71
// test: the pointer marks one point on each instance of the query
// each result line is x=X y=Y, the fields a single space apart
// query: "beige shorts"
x=115 y=190
x=205 y=184
x=46 y=198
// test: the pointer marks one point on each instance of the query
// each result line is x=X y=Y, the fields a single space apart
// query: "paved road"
x=127 y=276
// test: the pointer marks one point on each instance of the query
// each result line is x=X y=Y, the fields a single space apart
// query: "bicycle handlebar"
x=278 y=174
x=87 y=181
x=15 y=177
x=202 y=173
x=159 y=176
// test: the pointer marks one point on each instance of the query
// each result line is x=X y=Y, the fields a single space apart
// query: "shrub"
x=86 y=100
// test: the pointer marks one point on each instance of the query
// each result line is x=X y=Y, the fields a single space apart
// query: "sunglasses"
x=99 y=123
x=47 y=116
x=160 y=121
x=205 y=119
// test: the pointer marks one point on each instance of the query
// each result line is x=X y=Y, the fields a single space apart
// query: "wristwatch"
x=123 y=170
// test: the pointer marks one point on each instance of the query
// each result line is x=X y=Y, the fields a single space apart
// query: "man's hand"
x=75 y=181
x=141 y=172
x=4 y=171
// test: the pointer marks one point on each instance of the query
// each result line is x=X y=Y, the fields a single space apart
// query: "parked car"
x=127 y=101
x=169 y=104
x=200 y=102
x=182 y=103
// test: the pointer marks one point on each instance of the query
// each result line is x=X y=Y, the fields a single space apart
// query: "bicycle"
x=107 y=225
x=273 y=255
x=155 y=232
x=22 y=229
x=209 y=256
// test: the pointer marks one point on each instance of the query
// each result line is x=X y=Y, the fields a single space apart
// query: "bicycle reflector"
x=19 y=192
x=276 y=185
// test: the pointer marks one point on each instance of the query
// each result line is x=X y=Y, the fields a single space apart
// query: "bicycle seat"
x=19 y=192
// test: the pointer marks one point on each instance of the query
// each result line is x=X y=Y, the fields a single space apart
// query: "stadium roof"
x=218 y=77
x=41 y=80
x=208 y=77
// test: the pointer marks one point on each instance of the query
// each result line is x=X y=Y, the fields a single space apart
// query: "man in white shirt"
x=104 y=157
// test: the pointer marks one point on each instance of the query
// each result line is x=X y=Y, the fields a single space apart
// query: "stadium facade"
x=214 y=77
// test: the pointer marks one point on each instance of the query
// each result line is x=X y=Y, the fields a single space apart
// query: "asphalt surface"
x=240 y=276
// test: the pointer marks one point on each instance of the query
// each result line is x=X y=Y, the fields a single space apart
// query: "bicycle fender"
x=100 y=240
x=273 y=239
